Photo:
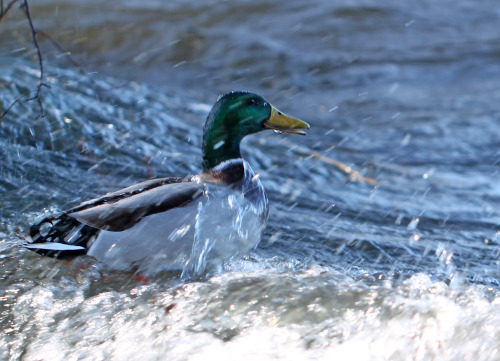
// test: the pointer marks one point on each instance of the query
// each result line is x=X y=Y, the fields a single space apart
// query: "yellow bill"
x=284 y=123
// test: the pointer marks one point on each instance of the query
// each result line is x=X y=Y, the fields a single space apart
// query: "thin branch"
x=63 y=51
x=5 y=10
x=14 y=103
x=41 y=83
x=353 y=175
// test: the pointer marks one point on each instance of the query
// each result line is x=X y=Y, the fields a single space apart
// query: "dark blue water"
x=402 y=264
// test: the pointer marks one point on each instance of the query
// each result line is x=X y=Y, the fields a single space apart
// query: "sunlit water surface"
x=404 y=269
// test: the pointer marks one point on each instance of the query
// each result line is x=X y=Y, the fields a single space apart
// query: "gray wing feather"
x=121 y=210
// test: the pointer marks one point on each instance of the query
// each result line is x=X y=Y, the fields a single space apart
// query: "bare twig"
x=63 y=51
x=352 y=174
x=41 y=83
x=5 y=10
x=14 y=103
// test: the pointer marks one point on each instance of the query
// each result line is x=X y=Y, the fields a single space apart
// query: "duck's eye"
x=252 y=101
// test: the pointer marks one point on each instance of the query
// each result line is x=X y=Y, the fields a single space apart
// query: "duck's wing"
x=69 y=232
x=121 y=210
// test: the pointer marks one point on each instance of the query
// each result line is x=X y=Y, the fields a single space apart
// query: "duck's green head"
x=236 y=115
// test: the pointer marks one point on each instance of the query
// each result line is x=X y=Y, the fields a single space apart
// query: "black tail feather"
x=63 y=229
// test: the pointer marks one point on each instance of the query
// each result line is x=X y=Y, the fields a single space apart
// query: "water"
x=406 y=94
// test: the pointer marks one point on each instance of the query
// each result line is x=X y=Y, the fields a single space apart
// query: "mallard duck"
x=178 y=223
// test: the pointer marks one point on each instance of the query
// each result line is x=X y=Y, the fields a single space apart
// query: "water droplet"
x=399 y=219
x=219 y=144
x=393 y=88
x=428 y=174
x=179 y=64
x=406 y=140
x=413 y=223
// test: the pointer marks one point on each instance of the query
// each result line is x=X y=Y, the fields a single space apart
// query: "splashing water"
x=406 y=268
x=228 y=224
